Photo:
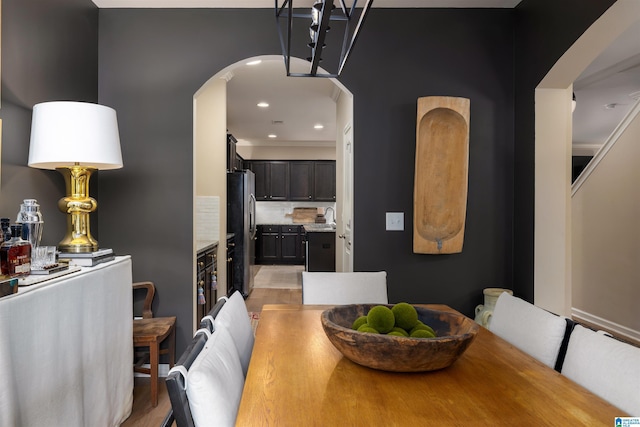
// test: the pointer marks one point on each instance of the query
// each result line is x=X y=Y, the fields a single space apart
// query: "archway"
x=210 y=130
x=552 y=241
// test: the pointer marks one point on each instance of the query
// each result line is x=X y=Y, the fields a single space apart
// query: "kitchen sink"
x=319 y=227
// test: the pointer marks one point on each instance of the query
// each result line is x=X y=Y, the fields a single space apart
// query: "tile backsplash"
x=208 y=214
x=208 y=218
x=281 y=212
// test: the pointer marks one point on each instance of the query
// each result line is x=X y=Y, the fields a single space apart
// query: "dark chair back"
x=176 y=384
x=207 y=321
x=565 y=343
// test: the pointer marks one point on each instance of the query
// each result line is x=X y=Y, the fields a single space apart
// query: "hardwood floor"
x=144 y=415
x=259 y=297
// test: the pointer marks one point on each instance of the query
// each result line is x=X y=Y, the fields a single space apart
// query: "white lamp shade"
x=64 y=133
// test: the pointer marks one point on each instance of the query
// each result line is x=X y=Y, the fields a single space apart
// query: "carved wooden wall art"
x=441 y=175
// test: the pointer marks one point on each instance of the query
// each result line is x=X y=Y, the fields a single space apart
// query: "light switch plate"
x=395 y=221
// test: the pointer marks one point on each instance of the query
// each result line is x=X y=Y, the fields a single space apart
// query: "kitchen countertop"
x=203 y=245
x=309 y=227
x=320 y=228
x=284 y=222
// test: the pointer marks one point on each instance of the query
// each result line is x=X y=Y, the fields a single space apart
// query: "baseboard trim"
x=615 y=329
x=163 y=370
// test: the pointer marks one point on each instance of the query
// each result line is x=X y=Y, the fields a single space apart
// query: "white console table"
x=66 y=349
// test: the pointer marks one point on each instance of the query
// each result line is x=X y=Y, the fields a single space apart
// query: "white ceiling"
x=299 y=3
x=296 y=104
x=606 y=90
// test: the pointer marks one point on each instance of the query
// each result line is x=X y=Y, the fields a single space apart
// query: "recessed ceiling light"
x=263 y=104
x=318 y=126
x=273 y=135
x=256 y=62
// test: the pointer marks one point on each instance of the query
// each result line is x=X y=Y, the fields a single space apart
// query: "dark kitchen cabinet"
x=268 y=244
x=231 y=245
x=324 y=181
x=290 y=236
x=235 y=162
x=280 y=244
x=272 y=179
x=260 y=171
x=239 y=162
x=297 y=180
x=231 y=153
x=278 y=174
x=207 y=280
x=300 y=180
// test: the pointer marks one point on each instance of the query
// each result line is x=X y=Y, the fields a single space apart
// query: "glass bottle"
x=31 y=219
x=15 y=254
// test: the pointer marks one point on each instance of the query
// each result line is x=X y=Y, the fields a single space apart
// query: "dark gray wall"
x=151 y=64
x=153 y=61
x=545 y=30
x=403 y=55
x=49 y=53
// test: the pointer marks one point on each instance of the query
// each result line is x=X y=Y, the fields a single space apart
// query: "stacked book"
x=87 y=259
x=8 y=285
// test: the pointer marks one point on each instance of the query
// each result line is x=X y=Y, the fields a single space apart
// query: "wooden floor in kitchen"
x=144 y=415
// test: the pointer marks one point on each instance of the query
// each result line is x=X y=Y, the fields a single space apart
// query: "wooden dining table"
x=298 y=378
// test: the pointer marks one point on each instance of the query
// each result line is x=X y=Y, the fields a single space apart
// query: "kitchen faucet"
x=333 y=213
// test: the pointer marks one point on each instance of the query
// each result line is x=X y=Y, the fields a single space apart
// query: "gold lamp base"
x=77 y=205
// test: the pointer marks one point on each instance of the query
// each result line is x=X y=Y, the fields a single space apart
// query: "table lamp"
x=76 y=139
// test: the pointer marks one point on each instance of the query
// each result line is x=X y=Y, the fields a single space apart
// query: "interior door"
x=347 y=206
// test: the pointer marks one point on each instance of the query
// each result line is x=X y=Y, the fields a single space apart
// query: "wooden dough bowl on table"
x=455 y=333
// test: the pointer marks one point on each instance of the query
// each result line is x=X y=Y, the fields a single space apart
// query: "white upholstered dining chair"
x=607 y=367
x=206 y=383
x=344 y=288
x=215 y=382
x=176 y=382
x=234 y=316
x=533 y=330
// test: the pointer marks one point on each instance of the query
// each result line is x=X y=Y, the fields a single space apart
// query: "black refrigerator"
x=241 y=221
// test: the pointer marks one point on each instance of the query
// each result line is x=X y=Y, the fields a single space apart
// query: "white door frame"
x=344 y=235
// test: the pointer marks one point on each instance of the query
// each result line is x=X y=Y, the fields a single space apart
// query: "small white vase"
x=484 y=311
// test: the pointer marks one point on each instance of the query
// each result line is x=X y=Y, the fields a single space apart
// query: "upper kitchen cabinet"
x=310 y=180
x=234 y=160
x=300 y=180
x=231 y=153
x=272 y=179
x=324 y=181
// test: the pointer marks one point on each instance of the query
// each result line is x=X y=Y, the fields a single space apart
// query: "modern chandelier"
x=319 y=34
